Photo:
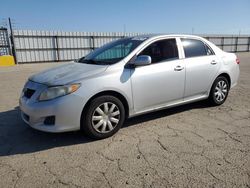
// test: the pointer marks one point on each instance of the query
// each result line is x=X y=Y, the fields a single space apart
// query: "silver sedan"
x=125 y=78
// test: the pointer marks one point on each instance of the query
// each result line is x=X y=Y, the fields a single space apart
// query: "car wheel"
x=103 y=117
x=219 y=91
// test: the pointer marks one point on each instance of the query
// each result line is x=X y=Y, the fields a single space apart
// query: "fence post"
x=12 y=40
x=236 y=44
x=222 y=43
x=248 y=44
x=57 y=48
x=92 y=42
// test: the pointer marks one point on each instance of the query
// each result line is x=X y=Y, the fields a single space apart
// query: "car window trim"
x=151 y=42
x=205 y=44
x=209 y=48
x=153 y=64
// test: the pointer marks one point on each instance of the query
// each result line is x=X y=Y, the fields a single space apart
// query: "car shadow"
x=18 y=138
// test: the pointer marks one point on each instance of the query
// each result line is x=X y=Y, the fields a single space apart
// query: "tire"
x=103 y=117
x=219 y=91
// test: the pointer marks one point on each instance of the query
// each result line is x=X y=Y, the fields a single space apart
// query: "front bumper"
x=66 y=110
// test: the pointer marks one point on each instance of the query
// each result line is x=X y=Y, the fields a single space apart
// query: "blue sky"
x=151 y=16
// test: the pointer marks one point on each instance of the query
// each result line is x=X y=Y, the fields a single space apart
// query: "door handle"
x=213 y=62
x=178 y=68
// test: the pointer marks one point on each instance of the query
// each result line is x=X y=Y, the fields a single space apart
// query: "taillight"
x=238 y=61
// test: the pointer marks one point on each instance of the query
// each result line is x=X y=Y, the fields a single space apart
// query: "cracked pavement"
x=189 y=146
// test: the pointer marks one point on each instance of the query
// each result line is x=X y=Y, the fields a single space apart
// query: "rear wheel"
x=219 y=91
x=104 y=117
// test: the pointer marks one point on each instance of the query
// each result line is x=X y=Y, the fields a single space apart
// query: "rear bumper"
x=235 y=73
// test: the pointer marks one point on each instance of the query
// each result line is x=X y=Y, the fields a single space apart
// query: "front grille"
x=50 y=120
x=28 y=92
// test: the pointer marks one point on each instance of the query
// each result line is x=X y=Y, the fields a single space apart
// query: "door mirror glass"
x=142 y=60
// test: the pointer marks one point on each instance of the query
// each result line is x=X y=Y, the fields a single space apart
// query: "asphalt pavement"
x=194 y=145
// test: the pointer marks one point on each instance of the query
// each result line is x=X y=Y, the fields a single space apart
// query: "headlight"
x=58 y=91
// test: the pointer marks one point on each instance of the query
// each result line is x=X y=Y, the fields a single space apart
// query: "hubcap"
x=105 y=117
x=220 y=91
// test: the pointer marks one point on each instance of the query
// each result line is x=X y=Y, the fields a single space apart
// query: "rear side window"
x=162 y=50
x=194 y=48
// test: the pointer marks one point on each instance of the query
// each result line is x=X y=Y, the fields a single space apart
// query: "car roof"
x=155 y=36
x=151 y=37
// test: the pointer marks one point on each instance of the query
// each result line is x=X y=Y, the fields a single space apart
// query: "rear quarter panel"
x=230 y=67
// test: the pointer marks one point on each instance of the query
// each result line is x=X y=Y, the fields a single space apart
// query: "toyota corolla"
x=125 y=78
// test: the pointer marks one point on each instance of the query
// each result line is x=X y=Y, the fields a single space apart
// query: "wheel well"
x=112 y=93
x=227 y=77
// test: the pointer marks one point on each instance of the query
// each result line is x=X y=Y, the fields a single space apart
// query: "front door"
x=162 y=82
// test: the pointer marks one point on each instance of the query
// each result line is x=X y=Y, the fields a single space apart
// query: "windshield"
x=112 y=52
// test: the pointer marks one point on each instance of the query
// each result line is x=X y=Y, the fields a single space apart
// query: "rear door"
x=201 y=65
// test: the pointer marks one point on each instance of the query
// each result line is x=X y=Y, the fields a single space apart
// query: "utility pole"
x=12 y=42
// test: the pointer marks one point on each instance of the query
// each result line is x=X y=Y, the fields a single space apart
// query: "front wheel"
x=104 y=117
x=219 y=91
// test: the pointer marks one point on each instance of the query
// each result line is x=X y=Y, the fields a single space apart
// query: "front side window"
x=162 y=50
x=194 y=48
x=113 y=52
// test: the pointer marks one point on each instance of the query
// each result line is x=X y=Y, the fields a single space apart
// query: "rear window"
x=194 y=48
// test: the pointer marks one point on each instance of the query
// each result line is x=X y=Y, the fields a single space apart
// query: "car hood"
x=67 y=73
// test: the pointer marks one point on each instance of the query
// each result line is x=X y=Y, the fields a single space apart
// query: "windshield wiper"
x=88 y=61
x=96 y=62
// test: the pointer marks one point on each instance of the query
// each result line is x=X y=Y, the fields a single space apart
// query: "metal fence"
x=49 y=46
x=231 y=43
x=55 y=46
x=4 y=42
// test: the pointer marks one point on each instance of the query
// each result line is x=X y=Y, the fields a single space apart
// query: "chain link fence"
x=4 y=42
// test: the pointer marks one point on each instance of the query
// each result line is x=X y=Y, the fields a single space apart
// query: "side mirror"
x=142 y=60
